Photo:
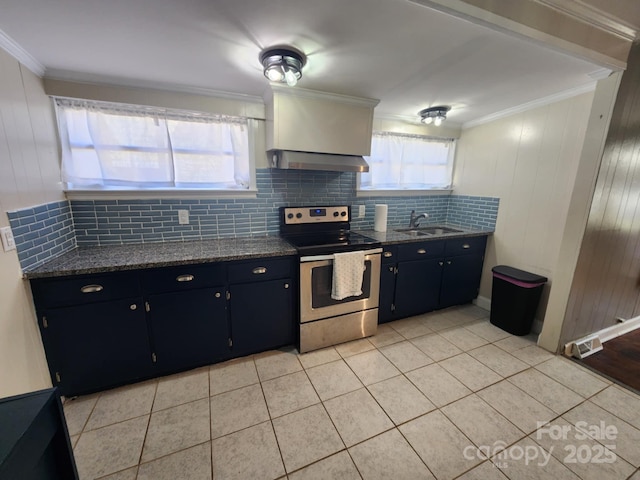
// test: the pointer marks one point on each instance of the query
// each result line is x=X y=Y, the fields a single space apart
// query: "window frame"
x=128 y=193
x=410 y=192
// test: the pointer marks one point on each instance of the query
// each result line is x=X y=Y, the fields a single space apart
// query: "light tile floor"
x=444 y=395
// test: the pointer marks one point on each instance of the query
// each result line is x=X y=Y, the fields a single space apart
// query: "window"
x=108 y=146
x=408 y=162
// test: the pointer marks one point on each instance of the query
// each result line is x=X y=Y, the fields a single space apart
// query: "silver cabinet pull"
x=448 y=262
x=218 y=295
x=286 y=285
x=391 y=268
x=466 y=245
x=133 y=306
x=91 y=288
x=184 y=278
x=259 y=270
x=422 y=251
x=387 y=254
x=441 y=263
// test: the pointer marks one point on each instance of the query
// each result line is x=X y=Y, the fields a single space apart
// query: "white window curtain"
x=112 y=146
x=408 y=162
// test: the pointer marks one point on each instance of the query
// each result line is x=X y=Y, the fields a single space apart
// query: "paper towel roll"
x=380 y=219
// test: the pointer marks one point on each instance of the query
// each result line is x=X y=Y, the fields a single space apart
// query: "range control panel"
x=300 y=215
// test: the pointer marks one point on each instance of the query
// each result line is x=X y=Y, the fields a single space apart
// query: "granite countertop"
x=83 y=260
x=391 y=237
x=87 y=260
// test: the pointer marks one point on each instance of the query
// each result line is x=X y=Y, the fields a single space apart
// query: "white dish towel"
x=348 y=272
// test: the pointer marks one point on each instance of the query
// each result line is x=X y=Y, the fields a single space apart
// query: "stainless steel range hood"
x=317 y=161
x=310 y=130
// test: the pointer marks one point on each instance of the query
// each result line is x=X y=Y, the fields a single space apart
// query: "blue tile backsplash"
x=473 y=212
x=42 y=233
x=47 y=231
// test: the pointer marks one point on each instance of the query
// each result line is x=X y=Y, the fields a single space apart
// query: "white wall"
x=29 y=176
x=529 y=160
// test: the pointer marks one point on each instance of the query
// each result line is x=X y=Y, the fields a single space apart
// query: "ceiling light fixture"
x=435 y=115
x=283 y=65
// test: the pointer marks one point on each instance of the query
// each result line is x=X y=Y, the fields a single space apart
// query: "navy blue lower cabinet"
x=426 y=276
x=387 y=293
x=95 y=346
x=261 y=316
x=188 y=329
x=460 y=279
x=417 y=287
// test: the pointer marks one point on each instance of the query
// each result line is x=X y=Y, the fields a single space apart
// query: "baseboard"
x=608 y=333
x=483 y=302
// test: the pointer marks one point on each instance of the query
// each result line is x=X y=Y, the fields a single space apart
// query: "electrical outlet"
x=183 y=217
x=362 y=209
x=8 y=243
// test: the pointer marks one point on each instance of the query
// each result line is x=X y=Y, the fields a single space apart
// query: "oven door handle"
x=317 y=258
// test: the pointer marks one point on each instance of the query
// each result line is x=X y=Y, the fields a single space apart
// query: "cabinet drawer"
x=461 y=246
x=258 y=270
x=420 y=250
x=80 y=290
x=389 y=254
x=183 y=277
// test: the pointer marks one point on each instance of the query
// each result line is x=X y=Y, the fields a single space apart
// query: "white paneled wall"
x=529 y=160
x=29 y=175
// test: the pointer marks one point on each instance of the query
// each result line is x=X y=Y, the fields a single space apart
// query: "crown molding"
x=318 y=95
x=101 y=80
x=594 y=16
x=600 y=74
x=16 y=51
x=541 y=102
x=531 y=19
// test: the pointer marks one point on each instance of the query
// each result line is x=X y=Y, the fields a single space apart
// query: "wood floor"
x=619 y=359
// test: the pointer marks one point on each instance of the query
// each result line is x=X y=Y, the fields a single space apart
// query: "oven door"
x=316 y=276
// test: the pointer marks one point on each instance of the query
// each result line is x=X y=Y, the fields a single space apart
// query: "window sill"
x=403 y=193
x=159 y=193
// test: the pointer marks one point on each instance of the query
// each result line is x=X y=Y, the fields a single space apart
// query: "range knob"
x=298 y=215
x=290 y=215
x=343 y=214
x=335 y=214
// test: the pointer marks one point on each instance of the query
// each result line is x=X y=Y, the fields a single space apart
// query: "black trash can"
x=515 y=299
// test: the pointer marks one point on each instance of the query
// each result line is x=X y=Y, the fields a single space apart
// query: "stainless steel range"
x=318 y=233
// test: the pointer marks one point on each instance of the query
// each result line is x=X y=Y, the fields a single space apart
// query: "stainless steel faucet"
x=414 y=219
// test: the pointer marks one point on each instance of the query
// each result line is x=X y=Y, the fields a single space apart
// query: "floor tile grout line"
x=567 y=386
x=480 y=398
x=436 y=408
x=116 y=423
x=211 y=459
x=609 y=411
x=84 y=424
x=366 y=387
x=168 y=454
x=273 y=427
x=477 y=466
x=146 y=431
x=396 y=427
x=325 y=410
x=590 y=436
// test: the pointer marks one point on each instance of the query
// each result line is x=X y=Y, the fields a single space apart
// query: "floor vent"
x=586 y=346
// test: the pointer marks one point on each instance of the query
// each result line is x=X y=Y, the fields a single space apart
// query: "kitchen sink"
x=427 y=230
x=413 y=233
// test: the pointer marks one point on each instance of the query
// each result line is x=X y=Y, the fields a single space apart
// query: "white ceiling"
x=408 y=56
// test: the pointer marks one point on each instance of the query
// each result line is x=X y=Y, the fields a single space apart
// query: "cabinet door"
x=261 y=316
x=91 y=347
x=460 y=279
x=417 y=287
x=189 y=328
x=387 y=293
